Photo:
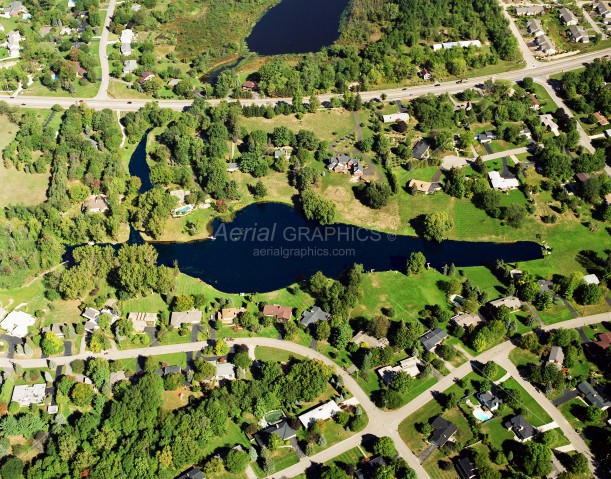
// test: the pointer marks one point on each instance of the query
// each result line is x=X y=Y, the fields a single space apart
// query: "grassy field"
x=547 y=105
x=264 y=353
x=283 y=457
x=327 y=124
x=534 y=412
x=20 y=187
x=523 y=357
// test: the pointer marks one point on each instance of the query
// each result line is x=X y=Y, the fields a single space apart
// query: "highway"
x=101 y=101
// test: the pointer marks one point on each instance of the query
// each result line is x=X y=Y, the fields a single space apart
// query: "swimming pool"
x=183 y=210
x=482 y=415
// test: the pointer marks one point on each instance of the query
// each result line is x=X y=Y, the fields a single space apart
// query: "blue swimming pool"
x=482 y=415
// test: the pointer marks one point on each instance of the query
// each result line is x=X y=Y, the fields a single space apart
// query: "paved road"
x=105 y=81
x=381 y=423
x=393 y=94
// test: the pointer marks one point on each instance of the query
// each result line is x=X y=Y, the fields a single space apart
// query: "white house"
x=224 y=371
x=579 y=34
x=408 y=365
x=320 y=413
x=16 y=323
x=26 y=395
x=547 y=121
x=530 y=11
x=591 y=279
x=568 y=17
x=450 y=45
x=502 y=184
x=394 y=117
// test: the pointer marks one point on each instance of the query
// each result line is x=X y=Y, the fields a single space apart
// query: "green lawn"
x=283 y=457
x=19 y=187
x=547 y=105
x=534 y=412
x=523 y=357
x=264 y=353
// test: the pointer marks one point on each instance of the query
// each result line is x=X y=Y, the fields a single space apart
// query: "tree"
x=537 y=459
x=416 y=263
x=578 y=463
x=316 y=208
x=588 y=294
x=376 y=195
x=323 y=330
x=51 y=344
x=436 y=225
x=236 y=461
x=82 y=394
x=515 y=215
x=98 y=370
x=183 y=303
x=259 y=190
x=333 y=472
x=341 y=335
x=12 y=468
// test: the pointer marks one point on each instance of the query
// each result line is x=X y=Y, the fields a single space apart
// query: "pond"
x=297 y=26
x=268 y=246
x=139 y=167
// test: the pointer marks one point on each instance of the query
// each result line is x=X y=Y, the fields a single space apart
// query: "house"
x=394 y=117
x=485 y=137
x=567 y=17
x=167 y=370
x=466 y=319
x=13 y=39
x=604 y=341
x=425 y=74
x=126 y=49
x=344 y=163
x=425 y=187
x=91 y=314
x=546 y=286
x=408 y=366
x=521 y=428
x=526 y=133
x=466 y=468
x=462 y=44
x=489 y=400
x=591 y=279
x=370 y=341
x=250 y=86
x=530 y=11
x=178 y=318
x=313 y=316
x=534 y=27
x=194 y=473
x=283 y=152
x=26 y=395
x=80 y=73
x=601 y=119
x=146 y=76
x=55 y=328
x=320 y=413
x=16 y=323
x=129 y=66
x=95 y=204
x=443 y=431
x=231 y=167
x=369 y=471
x=603 y=10
x=502 y=184
x=545 y=45
x=511 y=302
x=608 y=199
x=432 y=338
x=556 y=356
x=228 y=315
x=140 y=321
x=579 y=34
x=180 y=195
x=582 y=177
x=136 y=7
x=127 y=36
x=44 y=31
x=281 y=313
x=224 y=371
x=592 y=396
x=547 y=121
x=15 y=8
x=421 y=150
x=117 y=376
x=281 y=429
x=535 y=104
x=173 y=82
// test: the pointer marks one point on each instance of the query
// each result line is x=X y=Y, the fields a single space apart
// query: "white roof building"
x=27 y=395
x=178 y=318
x=591 y=279
x=408 y=365
x=225 y=371
x=320 y=413
x=16 y=323
x=511 y=302
x=372 y=342
x=141 y=320
x=502 y=184
x=450 y=45
x=127 y=36
x=392 y=118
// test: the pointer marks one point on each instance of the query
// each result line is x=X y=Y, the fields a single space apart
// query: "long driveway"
x=102 y=94
x=392 y=94
x=381 y=423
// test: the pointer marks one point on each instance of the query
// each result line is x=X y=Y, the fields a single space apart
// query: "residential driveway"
x=67 y=348
x=427 y=452
x=582 y=335
x=566 y=397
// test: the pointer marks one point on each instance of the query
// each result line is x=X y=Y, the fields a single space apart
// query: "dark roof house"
x=421 y=150
x=444 y=430
x=313 y=316
x=592 y=395
x=521 y=427
x=432 y=338
x=489 y=400
x=282 y=429
x=194 y=473
x=370 y=468
x=466 y=469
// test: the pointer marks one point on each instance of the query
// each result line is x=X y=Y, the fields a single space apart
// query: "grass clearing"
x=265 y=353
x=19 y=187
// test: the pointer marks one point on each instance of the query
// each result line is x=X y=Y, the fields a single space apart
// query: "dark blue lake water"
x=268 y=246
x=297 y=26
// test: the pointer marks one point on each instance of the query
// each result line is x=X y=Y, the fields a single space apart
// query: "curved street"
x=381 y=423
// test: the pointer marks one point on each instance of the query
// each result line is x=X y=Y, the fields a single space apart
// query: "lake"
x=297 y=26
x=268 y=246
